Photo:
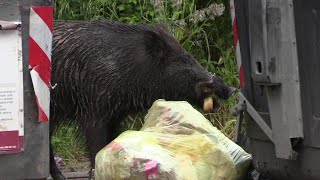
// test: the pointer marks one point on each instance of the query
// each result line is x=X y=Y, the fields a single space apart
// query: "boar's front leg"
x=98 y=136
x=55 y=173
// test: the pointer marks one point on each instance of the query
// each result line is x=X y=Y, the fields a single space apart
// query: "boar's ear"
x=156 y=46
x=162 y=27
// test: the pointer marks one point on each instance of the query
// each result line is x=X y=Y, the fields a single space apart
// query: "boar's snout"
x=217 y=87
x=231 y=90
x=220 y=89
x=212 y=89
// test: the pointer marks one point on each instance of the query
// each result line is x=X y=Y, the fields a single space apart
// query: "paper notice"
x=11 y=91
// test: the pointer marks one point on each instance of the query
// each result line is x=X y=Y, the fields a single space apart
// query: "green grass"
x=70 y=145
x=209 y=41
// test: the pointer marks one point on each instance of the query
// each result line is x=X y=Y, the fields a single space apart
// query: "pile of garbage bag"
x=175 y=142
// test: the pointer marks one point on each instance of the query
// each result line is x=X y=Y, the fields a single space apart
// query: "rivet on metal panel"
x=291 y=4
x=19 y=7
x=272 y=65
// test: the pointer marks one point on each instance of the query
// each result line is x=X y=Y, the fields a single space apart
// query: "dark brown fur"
x=106 y=70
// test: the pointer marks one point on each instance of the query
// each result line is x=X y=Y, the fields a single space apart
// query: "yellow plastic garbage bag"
x=175 y=143
x=181 y=118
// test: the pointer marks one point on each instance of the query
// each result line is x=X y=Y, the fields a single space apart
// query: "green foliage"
x=201 y=26
x=69 y=144
x=209 y=39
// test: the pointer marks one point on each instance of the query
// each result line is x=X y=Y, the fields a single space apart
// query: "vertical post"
x=32 y=161
x=236 y=42
x=239 y=64
x=274 y=65
x=282 y=67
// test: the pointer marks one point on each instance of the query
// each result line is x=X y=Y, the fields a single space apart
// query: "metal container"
x=280 y=63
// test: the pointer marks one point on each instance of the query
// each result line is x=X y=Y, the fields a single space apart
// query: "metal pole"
x=33 y=160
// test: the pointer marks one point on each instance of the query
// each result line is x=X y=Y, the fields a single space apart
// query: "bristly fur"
x=106 y=70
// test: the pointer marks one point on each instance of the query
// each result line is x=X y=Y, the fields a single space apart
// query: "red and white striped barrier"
x=40 y=42
x=236 y=43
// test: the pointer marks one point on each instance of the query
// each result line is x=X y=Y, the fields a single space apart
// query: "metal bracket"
x=244 y=105
x=9 y=26
x=5 y=25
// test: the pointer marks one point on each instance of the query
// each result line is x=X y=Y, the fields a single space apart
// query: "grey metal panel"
x=258 y=40
x=284 y=100
x=253 y=92
x=254 y=130
x=10 y=10
x=304 y=168
x=274 y=65
x=33 y=162
x=250 y=90
x=307 y=27
x=307 y=17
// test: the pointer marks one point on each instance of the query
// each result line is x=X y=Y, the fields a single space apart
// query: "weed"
x=69 y=144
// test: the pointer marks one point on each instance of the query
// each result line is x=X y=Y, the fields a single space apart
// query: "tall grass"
x=69 y=144
x=203 y=27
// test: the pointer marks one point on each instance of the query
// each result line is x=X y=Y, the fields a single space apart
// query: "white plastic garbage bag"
x=176 y=142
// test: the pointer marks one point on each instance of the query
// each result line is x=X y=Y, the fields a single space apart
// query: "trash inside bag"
x=176 y=142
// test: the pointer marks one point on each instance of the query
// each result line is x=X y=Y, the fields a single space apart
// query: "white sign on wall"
x=11 y=92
